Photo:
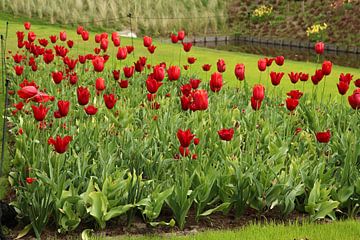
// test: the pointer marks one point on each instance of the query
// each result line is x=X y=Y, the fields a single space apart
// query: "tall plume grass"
x=150 y=17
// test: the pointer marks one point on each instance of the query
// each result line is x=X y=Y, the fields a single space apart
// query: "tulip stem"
x=322 y=95
x=180 y=57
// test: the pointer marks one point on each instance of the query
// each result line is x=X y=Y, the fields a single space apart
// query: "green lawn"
x=344 y=230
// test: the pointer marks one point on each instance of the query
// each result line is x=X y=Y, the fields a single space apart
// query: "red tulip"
x=27 y=25
x=61 y=51
x=152 y=85
x=317 y=77
x=79 y=30
x=17 y=58
x=343 y=87
x=53 y=38
x=279 y=60
x=19 y=106
x=43 y=42
x=20 y=36
x=262 y=64
x=173 y=73
x=104 y=43
x=30 y=180
x=357 y=83
x=18 y=70
x=185 y=137
x=110 y=100
x=138 y=66
x=98 y=64
x=187 y=46
x=226 y=134
x=151 y=49
x=130 y=49
x=191 y=60
x=70 y=43
x=63 y=107
x=323 y=137
x=184 y=151
x=73 y=78
x=216 y=82
x=147 y=41
x=291 y=103
x=304 y=77
x=82 y=59
x=326 y=68
x=174 y=38
x=60 y=144
x=258 y=92
x=200 y=100
x=142 y=60
x=83 y=95
x=195 y=83
x=150 y=97
x=255 y=104
x=27 y=92
x=186 y=89
x=124 y=83
x=63 y=36
x=295 y=94
x=116 y=74
x=85 y=35
x=186 y=67
x=276 y=78
x=158 y=73
x=97 y=38
x=294 y=77
x=90 y=110
x=206 y=67
x=185 y=102
x=57 y=77
x=354 y=99
x=122 y=53
x=319 y=47
x=31 y=37
x=116 y=42
x=269 y=61
x=196 y=141
x=128 y=71
x=71 y=63
x=221 y=67
x=100 y=84
x=346 y=78
x=240 y=71
x=181 y=35
x=39 y=112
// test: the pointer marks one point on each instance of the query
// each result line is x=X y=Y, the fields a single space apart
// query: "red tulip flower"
x=186 y=89
x=79 y=30
x=27 y=92
x=323 y=137
x=158 y=73
x=17 y=58
x=152 y=85
x=83 y=95
x=31 y=37
x=73 y=78
x=269 y=61
x=181 y=35
x=128 y=71
x=326 y=68
x=174 y=38
x=258 y=92
x=98 y=63
x=97 y=38
x=60 y=144
x=354 y=99
x=216 y=82
x=100 y=84
x=70 y=43
x=191 y=60
x=63 y=36
x=90 y=110
x=124 y=83
x=294 y=77
x=39 y=112
x=19 y=70
x=319 y=47
x=262 y=64
x=104 y=43
x=27 y=25
x=185 y=102
x=122 y=53
x=357 y=83
x=20 y=36
x=184 y=151
x=110 y=100
x=85 y=35
x=304 y=77
x=276 y=78
x=43 y=42
x=317 y=77
x=346 y=78
x=206 y=67
x=226 y=134
x=173 y=73
x=292 y=103
x=187 y=46
x=200 y=100
x=53 y=38
x=221 y=67
x=63 y=107
x=116 y=74
x=255 y=104
x=295 y=94
x=57 y=77
x=147 y=41
x=343 y=87
x=194 y=83
x=279 y=60
x=71 y=63
x=138 y=66
x=30 y=180
x=130 y=49
x=240 y=71
x=151 y=49
x=185 y=137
